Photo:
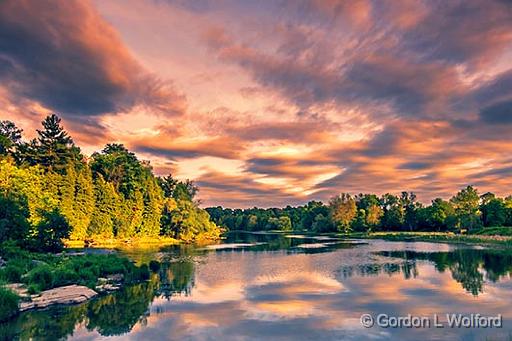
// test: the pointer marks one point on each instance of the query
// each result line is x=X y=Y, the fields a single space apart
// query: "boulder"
x=71 y=294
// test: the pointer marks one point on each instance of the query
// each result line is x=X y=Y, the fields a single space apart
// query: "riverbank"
x=440 y=237
x=120 y=243
x=28 y=278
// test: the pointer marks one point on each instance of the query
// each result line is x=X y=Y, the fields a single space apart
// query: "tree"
x=284 y=223
x=494 y=212
x=168 y=185
x=55 y=148
x=410 y=207
x=14 y=214
x=83 y=204
x=10 y=136
x=106 y=205
x=439 y=215
x=51 y=230
x=393 y=215
x=466 y=205
x=373 y=216
x=120 y=167
x=342 y=211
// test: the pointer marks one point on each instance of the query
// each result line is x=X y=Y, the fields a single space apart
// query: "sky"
x=274 y=103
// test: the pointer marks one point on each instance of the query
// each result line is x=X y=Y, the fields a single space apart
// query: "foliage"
x=343 y=210
x=9 y=303
x=368 y=212
x=466 y=206
x=51 y=230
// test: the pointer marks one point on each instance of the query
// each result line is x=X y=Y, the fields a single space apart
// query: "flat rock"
x=71 y=294
x=18 y=288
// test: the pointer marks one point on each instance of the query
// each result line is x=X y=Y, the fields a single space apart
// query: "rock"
x=38 y=262
x=71 y=294
x=116 y=278
x=107 y=288
x=19 y=289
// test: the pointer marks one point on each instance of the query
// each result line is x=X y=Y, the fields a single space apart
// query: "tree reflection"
x=469 y=267
x=109 y=315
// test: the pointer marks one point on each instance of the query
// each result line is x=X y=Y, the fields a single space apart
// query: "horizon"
x=274 y=104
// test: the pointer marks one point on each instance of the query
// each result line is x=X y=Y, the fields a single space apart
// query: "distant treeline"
x=50 y=191
x=368 y=212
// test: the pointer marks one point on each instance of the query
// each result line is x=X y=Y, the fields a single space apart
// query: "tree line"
x=466 y=210
x=50 y=191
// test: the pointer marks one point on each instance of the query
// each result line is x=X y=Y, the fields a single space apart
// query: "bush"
x=12 y=273
x=9 y=303
x=154 y=265
x=64 y=276
x=41 y=277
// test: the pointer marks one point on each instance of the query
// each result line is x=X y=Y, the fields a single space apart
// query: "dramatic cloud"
x=277 y=102
x=65 y=55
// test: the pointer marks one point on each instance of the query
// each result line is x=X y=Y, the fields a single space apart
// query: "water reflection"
x=272 y=288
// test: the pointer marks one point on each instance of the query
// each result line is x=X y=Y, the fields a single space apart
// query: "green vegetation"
x=50 y=192
x=9 y=303
x=465 y=212
x=40 y=271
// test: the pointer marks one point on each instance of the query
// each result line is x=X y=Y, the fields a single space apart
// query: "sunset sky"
x=269 y=103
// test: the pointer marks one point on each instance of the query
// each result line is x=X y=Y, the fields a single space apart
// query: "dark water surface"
x=289 y=287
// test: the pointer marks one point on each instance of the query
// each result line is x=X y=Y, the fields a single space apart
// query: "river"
x=292 y=287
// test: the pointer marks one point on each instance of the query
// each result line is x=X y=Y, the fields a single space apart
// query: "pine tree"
x=10 y=136
x=55 y=147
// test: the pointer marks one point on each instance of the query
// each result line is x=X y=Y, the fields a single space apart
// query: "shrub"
x=9 y=303
x=41 y=277
x=13 y=273
x=64 y=276
x=154 y=265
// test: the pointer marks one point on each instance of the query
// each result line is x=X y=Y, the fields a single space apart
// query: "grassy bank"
x=43 y=271
x=444 y=237
x=120 y=243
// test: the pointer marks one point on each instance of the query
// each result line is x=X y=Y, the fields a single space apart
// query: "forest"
x=50 y=192
x=466 y=211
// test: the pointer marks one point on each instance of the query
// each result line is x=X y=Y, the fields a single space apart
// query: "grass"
x=9 y=304
x=445 y=237
x=122 y=243
x=494 y=231
x=45 y=271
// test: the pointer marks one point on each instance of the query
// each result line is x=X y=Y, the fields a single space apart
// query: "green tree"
x=494 y=212
x=284 y=223
x=466 y=206
x=14 y=216
x=51 y=230
x=10 y=136
x=120 y=167
x=106 y=204
x=83 y=204
x=439 y=215
x=55 y=148
x=393 y=212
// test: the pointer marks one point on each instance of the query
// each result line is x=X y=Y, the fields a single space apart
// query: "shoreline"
x=435 y=237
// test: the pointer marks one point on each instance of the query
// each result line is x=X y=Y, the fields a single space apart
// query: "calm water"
x=278 y=287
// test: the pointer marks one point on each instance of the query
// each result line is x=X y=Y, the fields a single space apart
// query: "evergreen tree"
x=55 y=149
x=10 y=136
